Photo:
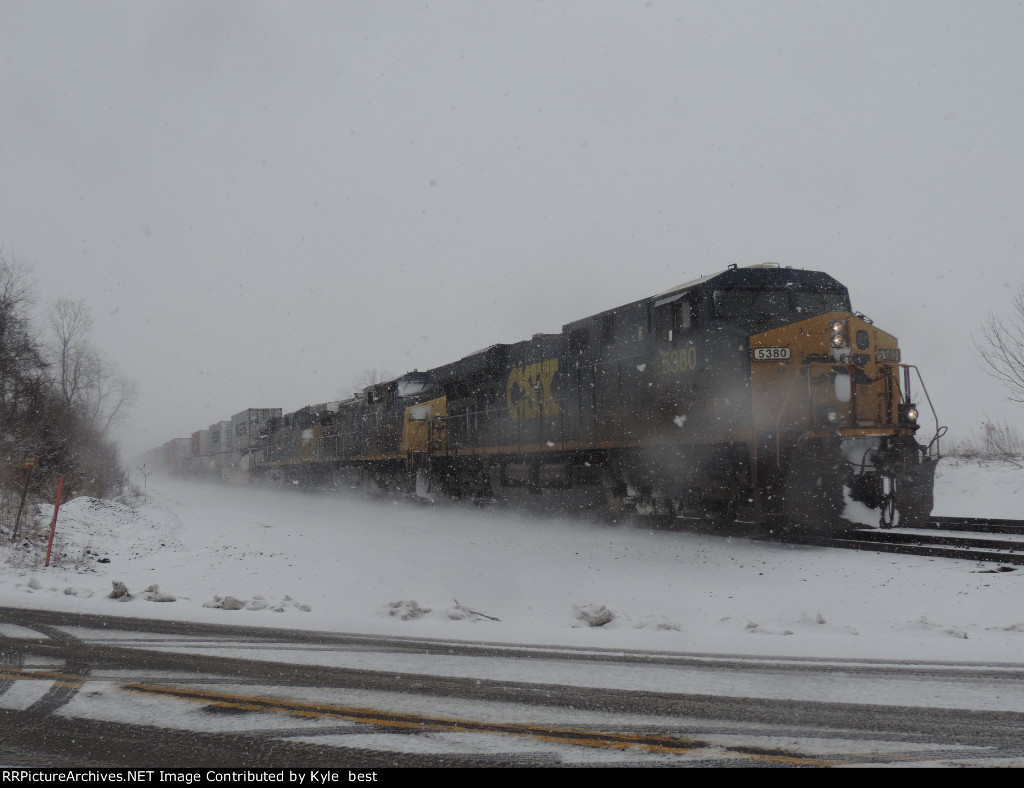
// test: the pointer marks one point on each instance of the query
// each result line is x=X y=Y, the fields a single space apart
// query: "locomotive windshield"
x=809 y=304
x=411 y=384
x=776 y=307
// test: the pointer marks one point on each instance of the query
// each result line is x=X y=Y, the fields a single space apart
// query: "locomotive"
x=755 y=394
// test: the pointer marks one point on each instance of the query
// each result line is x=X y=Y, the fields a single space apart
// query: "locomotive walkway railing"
x=939 y=431
x=814 y=370
x=478 y=431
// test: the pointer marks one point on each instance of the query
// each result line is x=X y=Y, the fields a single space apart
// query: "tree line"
x=59 y=397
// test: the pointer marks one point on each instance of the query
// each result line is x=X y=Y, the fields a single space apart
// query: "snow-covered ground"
x=193 y=551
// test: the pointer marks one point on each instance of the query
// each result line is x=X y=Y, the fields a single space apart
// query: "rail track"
x=976 y=524
x=970 y=540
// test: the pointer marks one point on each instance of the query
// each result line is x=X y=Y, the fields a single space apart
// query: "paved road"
x=91 y=690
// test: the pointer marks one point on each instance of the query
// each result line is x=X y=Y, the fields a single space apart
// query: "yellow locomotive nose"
x=817 y=379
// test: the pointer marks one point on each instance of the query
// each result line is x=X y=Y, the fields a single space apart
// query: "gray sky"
x=260 y=200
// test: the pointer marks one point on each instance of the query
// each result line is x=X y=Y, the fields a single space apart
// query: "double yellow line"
x=59 y=678
x=668 y=745
x=608 y=740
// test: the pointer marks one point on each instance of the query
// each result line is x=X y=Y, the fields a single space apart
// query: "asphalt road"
x=87 y=690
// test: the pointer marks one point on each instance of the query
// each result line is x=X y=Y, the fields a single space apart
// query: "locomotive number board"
x=771 y=353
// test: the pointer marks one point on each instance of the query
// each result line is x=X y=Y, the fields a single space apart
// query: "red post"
x=53 y=522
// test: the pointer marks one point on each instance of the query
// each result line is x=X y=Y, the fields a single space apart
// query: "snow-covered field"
x=202 y=552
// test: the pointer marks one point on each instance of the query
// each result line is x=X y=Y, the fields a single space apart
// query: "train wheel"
x=814 y=494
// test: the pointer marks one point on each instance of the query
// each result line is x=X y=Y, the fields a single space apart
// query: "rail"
x=970 y=549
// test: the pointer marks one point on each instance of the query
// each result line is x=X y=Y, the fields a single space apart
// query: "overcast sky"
x=261 y=200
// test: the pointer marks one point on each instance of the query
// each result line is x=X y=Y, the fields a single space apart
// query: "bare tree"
x=57 y=401
x=110 y=395
x=20 y=360
x=368 y=377
x=74 y=359
x=1002 y=348
x=85 y=380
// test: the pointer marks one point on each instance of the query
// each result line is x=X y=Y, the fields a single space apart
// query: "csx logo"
x=529 y=390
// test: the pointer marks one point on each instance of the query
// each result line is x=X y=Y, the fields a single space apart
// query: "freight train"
x=755 y=394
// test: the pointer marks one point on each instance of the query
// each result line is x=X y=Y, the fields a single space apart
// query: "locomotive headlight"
x=838 y=333
x=908 y=416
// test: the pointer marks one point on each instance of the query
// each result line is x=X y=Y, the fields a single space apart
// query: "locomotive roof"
x=479 y=363
x=766 y=275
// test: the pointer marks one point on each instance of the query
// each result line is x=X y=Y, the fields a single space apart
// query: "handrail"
x=455 y=419
x=939 y=431
x=351 y=440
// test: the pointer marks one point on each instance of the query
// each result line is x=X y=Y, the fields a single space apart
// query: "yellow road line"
x=59 y=678
x=557 y=735
x=614 y=740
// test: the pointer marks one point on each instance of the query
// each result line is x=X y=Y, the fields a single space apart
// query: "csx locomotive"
x=755 y=394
